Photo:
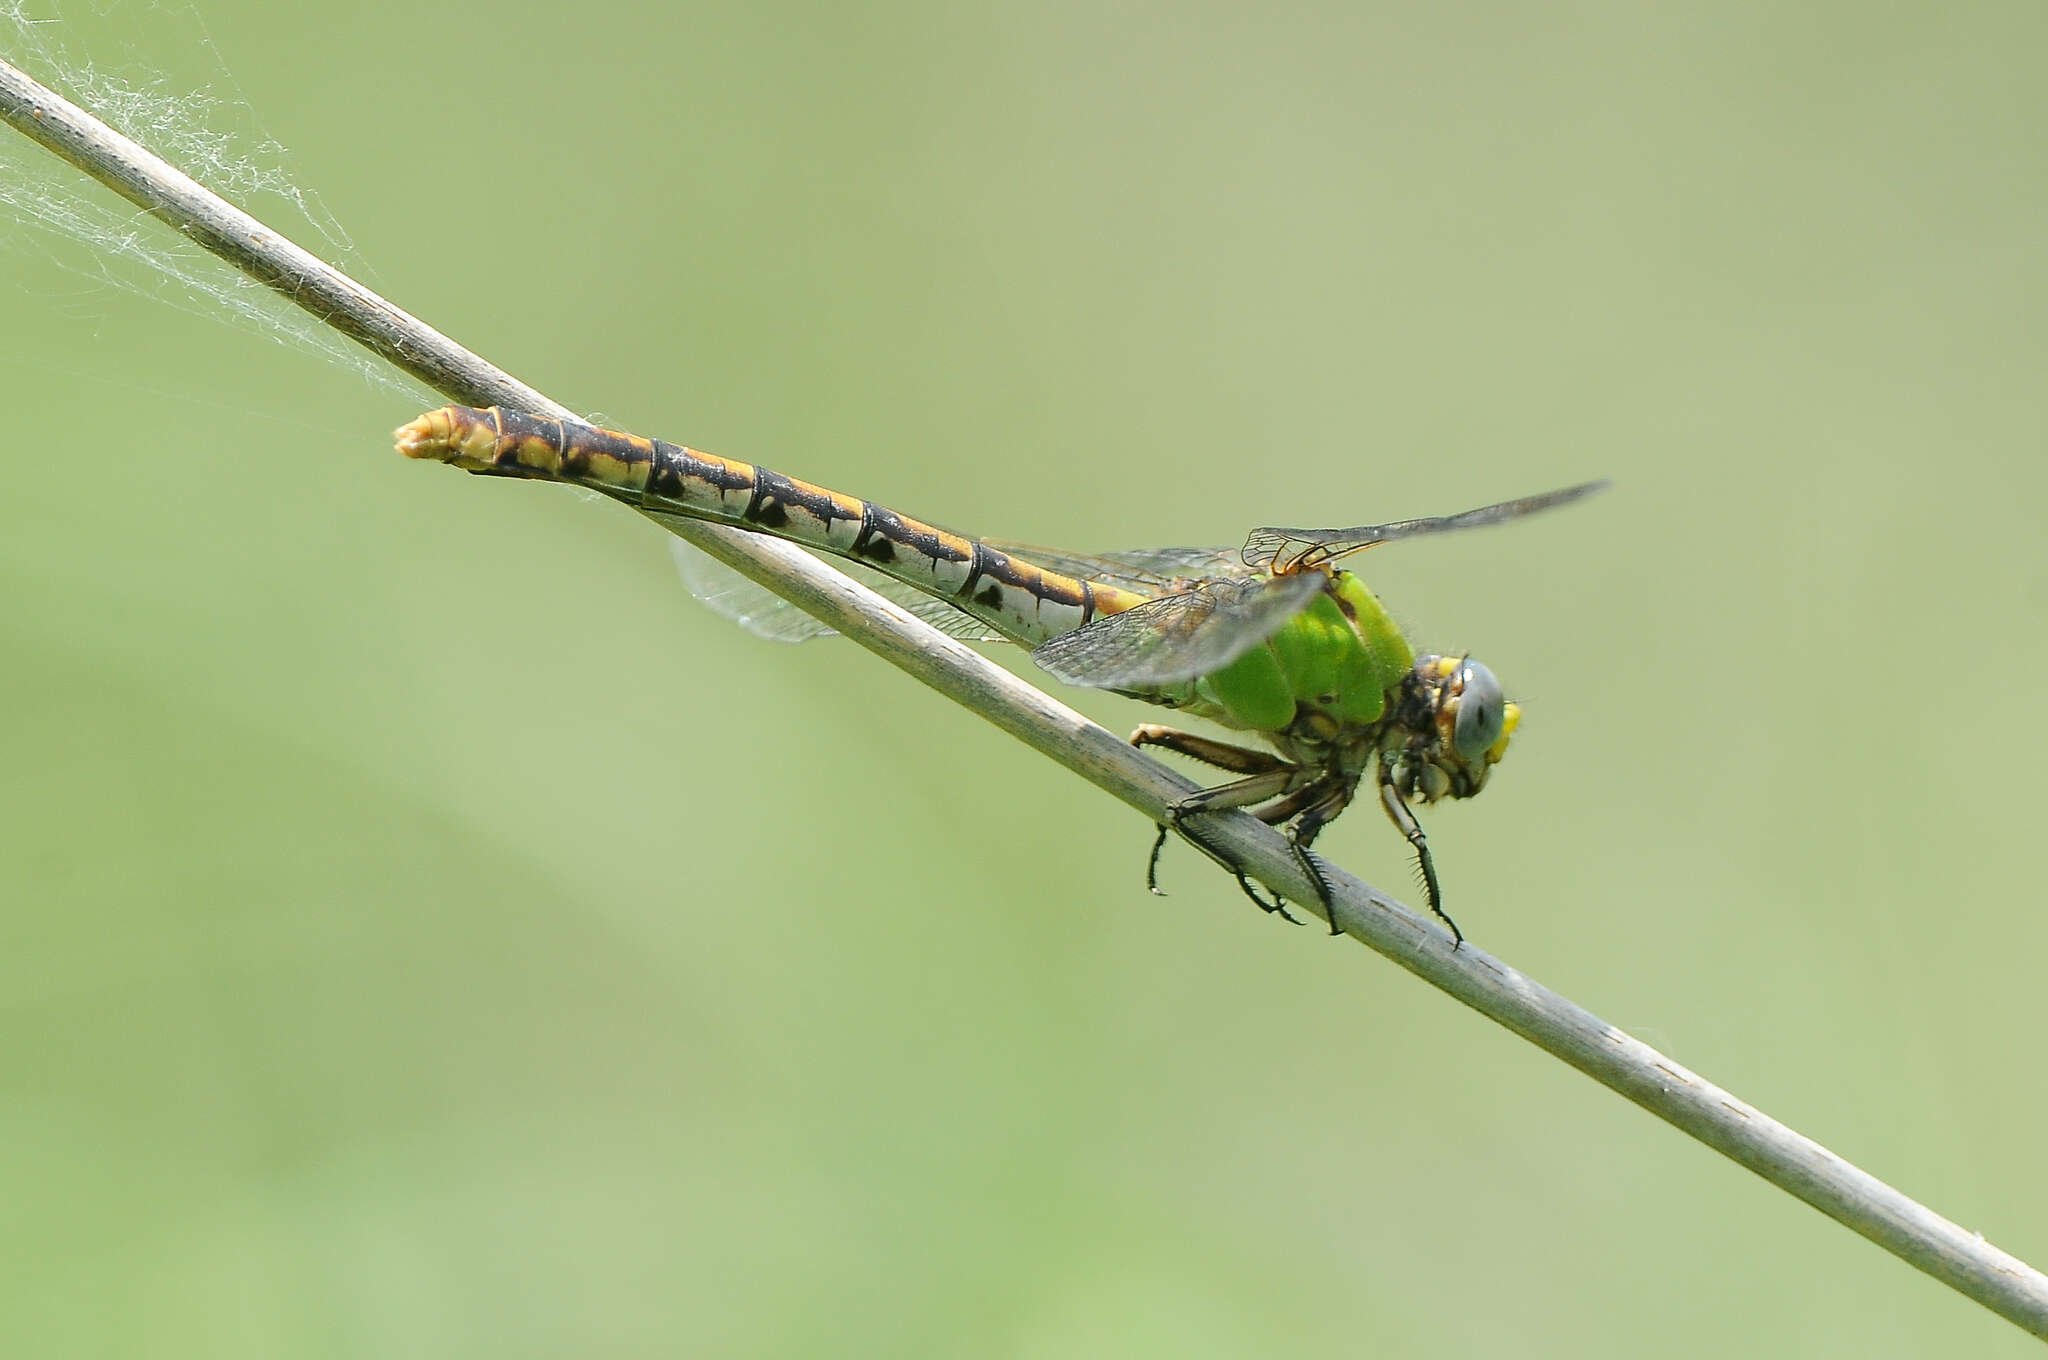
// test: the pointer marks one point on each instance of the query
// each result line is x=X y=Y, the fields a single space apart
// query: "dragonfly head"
x=1451 y=729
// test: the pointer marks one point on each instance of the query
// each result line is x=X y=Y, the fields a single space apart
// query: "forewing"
x=1289 y=550
x=765 y=614
x=1178 y=637
x=1143 y=571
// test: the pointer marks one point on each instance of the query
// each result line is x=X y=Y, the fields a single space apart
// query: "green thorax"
x=1339 y=658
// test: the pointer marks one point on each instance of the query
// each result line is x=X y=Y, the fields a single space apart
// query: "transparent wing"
x=1145 y=571
x=1178 y=637
x=765 y=614
x=1290 y=550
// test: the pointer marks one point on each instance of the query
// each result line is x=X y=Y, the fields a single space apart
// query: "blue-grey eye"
x=1481 y=712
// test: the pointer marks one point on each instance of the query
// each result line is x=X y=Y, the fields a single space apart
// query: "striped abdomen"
x=1025 y=603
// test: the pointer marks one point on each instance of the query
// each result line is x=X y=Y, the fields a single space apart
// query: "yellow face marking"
x=1510 y=715
x=1443 y=668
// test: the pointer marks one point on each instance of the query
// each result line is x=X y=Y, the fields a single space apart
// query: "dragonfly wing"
x=1144 y=571
x=765 y=614
x=1178 y=637
x=730 y=595
x=1289 y=550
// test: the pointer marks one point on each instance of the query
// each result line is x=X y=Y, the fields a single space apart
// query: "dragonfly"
x=1273 y=639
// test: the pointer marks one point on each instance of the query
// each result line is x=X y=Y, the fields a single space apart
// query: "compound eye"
x=1482 y=711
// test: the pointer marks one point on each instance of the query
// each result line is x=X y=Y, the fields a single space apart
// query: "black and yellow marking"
x=1021 y=600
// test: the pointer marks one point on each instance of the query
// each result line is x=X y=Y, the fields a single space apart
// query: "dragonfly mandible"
x=1274 y=639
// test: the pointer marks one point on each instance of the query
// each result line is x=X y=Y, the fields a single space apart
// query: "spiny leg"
x=1221 y=754
x=1266 y=775
x=1303 y=833
x=1310 y=807
x=1405 y=823
x=1321 y=801
x=1239 y=793
x=1277 y=904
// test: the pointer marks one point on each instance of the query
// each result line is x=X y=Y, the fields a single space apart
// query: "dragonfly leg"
x=1405 y=823
x=1303 y=833
x=1233 y=795
x=1270 y=906
x=1221 y=754
x=1283 y=810
x=1305 y=813
x=1266 y=776
x=1237 y=793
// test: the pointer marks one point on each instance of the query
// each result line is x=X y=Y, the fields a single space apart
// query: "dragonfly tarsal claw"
x=1152 y=863
x=1276 y=907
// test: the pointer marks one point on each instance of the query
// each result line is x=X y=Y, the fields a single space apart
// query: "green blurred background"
x=427 y=932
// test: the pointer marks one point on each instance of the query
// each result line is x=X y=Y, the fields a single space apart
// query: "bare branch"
x=1787 y=1159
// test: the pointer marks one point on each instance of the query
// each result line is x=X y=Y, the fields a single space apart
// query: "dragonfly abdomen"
x=1019 y=599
